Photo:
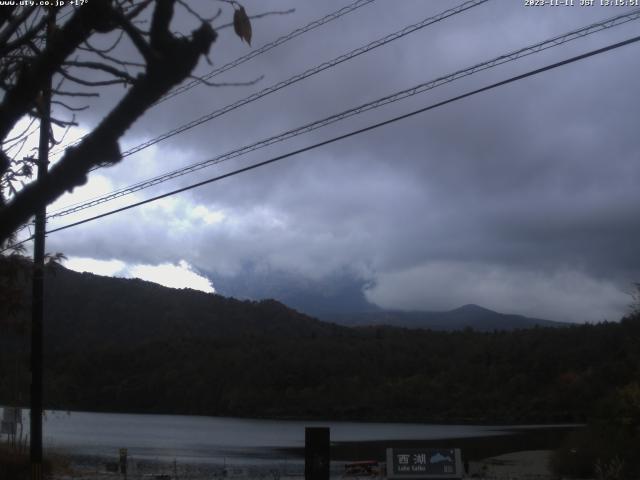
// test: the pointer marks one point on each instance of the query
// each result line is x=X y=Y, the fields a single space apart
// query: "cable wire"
x=254 y=53
x=306 y=74
x=348 y=135
x=421 y=88
x=265 y=48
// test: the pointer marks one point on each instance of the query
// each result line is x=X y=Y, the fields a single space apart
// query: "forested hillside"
x=131 y=346
x=540 y=375
x=91 y=311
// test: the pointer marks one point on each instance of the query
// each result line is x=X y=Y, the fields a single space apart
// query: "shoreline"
x=435 y=421
x=473 y=448
x=524 y=464
x=519 y=455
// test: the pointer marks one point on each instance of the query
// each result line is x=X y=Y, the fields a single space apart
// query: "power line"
x=351 y=134
x=421 y=88
x=306 y=74
x=254 y=53
x=265 y=48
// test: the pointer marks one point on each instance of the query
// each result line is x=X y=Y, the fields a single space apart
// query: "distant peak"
x=471 y=307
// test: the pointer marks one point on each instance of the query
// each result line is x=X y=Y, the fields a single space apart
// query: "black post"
x=123 y=462
x=37 y=306
x=316 y=453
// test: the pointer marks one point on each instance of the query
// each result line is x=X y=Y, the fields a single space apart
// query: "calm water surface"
x=215 y=439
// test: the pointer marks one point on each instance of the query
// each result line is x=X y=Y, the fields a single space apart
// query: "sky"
x=523 y=199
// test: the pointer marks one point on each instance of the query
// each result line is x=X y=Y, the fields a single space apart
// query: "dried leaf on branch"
x=242 y=25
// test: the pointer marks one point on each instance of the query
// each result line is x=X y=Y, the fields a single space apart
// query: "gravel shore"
x=525 y=465
x=530 y=464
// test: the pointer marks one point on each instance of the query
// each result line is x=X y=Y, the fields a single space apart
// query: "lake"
x=216 y=440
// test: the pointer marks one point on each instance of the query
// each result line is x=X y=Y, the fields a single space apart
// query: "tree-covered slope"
x=90 y=311
x=132 y=346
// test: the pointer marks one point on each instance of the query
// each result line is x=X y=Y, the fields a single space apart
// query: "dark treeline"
x=539 y=375
x=131 y=346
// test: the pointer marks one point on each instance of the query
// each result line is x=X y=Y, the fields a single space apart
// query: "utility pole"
x=37 y=305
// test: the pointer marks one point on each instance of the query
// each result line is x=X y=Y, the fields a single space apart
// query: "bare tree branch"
x=65 y=93
x=109 y=49
x=137 y=38
x=102 y=67
x=194 y=13
x=69 y=107
x=110 y=58
x=20 y=135
x=13 y=25
x=93 y=83
x=169 y=60
x=29 y=63
x=32 y=77
x=6 y=47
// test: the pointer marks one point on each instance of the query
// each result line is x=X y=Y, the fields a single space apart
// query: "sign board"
x=425 y=463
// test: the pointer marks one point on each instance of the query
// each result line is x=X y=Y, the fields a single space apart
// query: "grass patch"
x=607 y=452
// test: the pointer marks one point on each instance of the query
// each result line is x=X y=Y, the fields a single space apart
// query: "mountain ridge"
x=341 y=298
x=192 y=301
x=467 y=316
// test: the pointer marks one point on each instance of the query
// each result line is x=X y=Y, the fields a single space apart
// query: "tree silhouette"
x=79 y=69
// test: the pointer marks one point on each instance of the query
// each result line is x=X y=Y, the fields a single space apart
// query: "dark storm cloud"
x=524 y=198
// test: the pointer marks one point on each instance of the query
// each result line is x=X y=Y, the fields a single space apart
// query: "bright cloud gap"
x=180 y=275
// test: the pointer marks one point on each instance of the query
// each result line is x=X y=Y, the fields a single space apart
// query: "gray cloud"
x=522 y=199
x=564 y=295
